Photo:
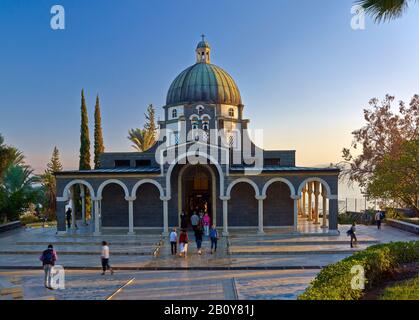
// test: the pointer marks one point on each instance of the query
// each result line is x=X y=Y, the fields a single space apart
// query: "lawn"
x=406 y=290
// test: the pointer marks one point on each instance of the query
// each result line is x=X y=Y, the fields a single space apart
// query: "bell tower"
x=203 y=51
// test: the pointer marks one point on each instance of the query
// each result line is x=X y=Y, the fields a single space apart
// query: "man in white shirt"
x=173 y=241
x=105 y=258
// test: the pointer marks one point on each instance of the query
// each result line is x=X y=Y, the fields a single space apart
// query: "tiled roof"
x=286 y=169
x=113 y=170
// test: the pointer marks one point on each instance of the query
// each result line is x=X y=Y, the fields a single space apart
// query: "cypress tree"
x=99 y=147
x=84 y=163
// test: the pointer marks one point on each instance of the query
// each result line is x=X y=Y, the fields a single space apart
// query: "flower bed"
x=334 y=281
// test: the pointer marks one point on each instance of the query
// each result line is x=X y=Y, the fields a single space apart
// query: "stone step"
x=88 y=253
x=294 y=250
x=94 y=242
x=297 y=243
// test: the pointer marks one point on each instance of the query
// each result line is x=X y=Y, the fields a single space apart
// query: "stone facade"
x=133 y=190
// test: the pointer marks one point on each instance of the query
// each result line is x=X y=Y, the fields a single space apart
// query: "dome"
x=203 y=44
x=203 y=83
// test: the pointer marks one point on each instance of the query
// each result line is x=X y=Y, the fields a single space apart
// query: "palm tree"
x=9 y=156
x=385 y=10
x=17 y=190
x=142 y=139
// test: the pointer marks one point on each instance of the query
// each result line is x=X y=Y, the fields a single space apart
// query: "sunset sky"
x=304 y=74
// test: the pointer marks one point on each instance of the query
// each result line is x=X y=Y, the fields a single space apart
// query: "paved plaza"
x=277 y=265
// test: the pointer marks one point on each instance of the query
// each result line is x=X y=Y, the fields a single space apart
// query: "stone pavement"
x=246 y=266
x=171 y=285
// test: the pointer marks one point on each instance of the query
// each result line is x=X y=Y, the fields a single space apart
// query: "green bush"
x=334 y=281
x=29 y=218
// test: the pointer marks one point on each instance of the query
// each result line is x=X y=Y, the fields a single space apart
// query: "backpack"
x=48 y=257
x=349 y=232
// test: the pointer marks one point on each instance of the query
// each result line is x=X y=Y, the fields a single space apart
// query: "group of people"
x=201 y=226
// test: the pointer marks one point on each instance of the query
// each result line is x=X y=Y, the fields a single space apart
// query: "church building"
x=205 y=161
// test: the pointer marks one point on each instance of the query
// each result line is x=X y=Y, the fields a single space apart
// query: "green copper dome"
x=206 y=83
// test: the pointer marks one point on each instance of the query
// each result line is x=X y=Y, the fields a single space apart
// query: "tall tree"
x=382 y=136
x=99 y=147
x=385 y=10
x=49 y=183
x=397 y=178
x=84 y=163
x=55 y=163
x=144 y=139
x=150 y=123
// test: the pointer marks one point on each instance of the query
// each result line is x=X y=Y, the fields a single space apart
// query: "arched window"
x=205 y=123
x=231 y=112
x=174 y=113
x=194 y=123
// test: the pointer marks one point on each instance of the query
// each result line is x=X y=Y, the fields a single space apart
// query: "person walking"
x=378 y=217
x=173 y=241
x=352 y=233
x=214 y=238
x=195 y=221
x=105 y=258
x=198 y=239
x=206 y=221
x=48 y=258
x=183 y=220
x=68 y=216
x=183 y=243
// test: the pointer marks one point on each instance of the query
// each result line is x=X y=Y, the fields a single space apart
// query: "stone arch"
x=113 y=205
x=110 y=181
x=242 y=204
x=148 y=204
x=286 y=181
x=200 y=154
x=245 y=180
x=74 y=182
x=143 y=181
x=315 y=179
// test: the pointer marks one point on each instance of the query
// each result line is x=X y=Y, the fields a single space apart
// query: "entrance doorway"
x=197 y=191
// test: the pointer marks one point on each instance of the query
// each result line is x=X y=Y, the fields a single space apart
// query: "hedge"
x=334 y=281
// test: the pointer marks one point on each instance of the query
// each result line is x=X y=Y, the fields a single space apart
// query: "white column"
x=303 y=210
x=165 y=215
x=260 y=213
x=316 y=202
x=225 y=215
x=296 y=201
x=130 y=215
x=83 y=204
x=310 y=190
x=73 y=208
x=324 y=225
x=97 y=216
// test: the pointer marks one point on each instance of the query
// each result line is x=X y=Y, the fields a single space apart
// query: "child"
x=206 y=220
x=183 y=243
x=105 y=258
x=173 y=241
x=214 y=238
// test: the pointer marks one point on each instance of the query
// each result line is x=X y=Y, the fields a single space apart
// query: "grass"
x=406 y=290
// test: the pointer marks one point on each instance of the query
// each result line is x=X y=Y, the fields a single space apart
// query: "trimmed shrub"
x=29 y=218
x=334 y=281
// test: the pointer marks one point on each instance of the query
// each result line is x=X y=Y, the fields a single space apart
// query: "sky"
x=304 y=74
